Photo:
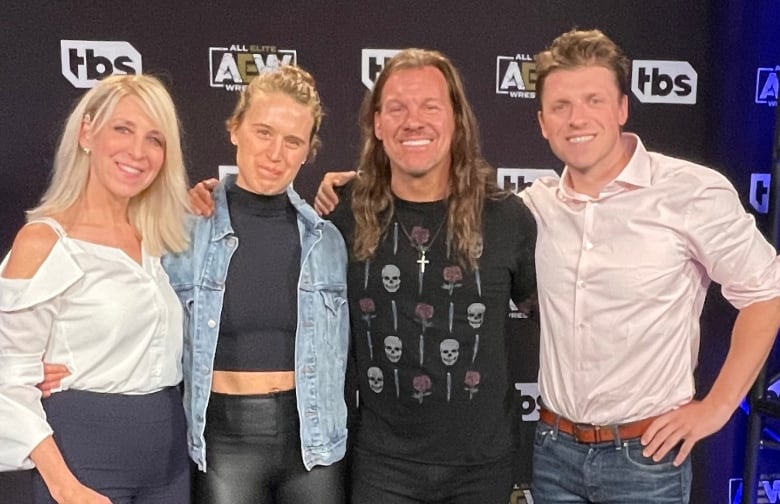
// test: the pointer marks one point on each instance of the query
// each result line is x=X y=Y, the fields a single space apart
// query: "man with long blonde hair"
x=437 y=251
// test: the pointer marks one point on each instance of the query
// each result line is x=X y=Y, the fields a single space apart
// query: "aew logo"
x=232 y=68
x=516 y=76
x=759 y=191
x=768 y=491
x=85 y=62
x=658 y=81
x=517 y=179
x=372 y=61
x=767 y=86
x=530 y=401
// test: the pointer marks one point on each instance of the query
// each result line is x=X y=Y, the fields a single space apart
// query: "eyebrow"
x=129 y=122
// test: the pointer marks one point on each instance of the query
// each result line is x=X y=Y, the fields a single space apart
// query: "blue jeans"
x=613 y=472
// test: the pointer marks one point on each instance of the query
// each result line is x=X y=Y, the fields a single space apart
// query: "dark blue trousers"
x=130 y=448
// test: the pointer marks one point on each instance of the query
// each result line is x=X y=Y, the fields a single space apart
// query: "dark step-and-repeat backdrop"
x=704 y=87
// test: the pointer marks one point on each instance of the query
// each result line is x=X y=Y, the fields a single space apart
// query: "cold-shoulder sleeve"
x=28 y=309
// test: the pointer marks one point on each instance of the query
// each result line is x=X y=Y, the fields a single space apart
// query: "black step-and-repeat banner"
x=704 y=87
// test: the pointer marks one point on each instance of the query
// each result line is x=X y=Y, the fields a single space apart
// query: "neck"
x=592 y=181
x=420 y=189
x=96 y=207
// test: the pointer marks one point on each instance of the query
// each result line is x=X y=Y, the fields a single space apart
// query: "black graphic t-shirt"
x=429 y=335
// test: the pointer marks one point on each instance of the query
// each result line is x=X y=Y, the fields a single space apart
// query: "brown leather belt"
x=587 y=433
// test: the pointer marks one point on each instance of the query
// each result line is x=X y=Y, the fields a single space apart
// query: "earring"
x=85 y=150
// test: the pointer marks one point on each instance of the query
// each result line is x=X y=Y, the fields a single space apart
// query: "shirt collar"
x=634 y=175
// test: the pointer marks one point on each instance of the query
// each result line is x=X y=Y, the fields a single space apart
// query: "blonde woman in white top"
x=83 y=286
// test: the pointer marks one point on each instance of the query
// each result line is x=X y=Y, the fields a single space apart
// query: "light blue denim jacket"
x=321 y=343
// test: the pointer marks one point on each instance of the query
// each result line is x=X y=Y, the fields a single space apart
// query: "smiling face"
x=127 y=152
x=415 y=123
x=582 y=113
x=272 y=142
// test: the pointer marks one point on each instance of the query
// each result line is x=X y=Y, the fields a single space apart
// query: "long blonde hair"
x=158 y=212
x=471 y=180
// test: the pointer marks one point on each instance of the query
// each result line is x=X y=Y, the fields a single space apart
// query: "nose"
x=412 y=119
x=275 y=147
x=137 y=146
x=578 y=116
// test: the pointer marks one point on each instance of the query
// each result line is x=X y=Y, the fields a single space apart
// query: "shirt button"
x=581 y=284
x=212 y=323
x=588 y=245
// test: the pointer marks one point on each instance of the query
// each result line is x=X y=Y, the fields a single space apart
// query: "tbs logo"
x=372 y=61
x=529 y=401
x=659 y=81
x=85 y=62
x=517 y=179
x=759 y=191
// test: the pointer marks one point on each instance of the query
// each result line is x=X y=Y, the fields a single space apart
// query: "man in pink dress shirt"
x=628 y=243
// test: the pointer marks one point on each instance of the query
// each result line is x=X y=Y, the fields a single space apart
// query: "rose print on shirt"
x=422 y=386
x=452 y=276
x=368 y=308
x=423 y=314
x=471 y=380
x=419 y=236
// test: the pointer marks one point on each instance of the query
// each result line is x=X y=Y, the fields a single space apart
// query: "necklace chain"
x=422 y=248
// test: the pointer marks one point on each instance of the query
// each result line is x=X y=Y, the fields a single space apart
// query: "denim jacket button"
x=212 y=323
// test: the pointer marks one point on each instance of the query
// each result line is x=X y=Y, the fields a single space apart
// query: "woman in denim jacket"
x=263 y=286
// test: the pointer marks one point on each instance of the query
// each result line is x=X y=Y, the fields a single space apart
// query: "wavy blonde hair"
x=158 y=212
x=471 y=180
x=293 y=81
x=579 y=48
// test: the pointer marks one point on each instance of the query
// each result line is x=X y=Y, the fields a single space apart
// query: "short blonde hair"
x=158 y=213
x=579 y=48
x=293 y=81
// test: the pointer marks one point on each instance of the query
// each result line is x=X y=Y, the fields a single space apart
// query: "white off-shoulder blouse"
x=116 y=325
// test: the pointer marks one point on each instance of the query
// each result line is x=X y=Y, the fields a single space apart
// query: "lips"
x=579 y=139
x=130 y=170
x=270 y=171
x=418 y=142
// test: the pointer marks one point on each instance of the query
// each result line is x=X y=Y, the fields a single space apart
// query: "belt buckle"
x=581 y=431
x=587 y=428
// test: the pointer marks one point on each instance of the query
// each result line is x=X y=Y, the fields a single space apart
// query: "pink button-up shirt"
x=622 y=279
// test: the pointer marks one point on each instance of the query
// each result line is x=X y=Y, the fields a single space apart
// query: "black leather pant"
x=253 y=455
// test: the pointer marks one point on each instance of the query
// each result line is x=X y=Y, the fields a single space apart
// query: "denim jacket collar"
x=306 y=214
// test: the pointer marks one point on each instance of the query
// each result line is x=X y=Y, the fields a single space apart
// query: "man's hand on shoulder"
x=201 y=201
x=326 y=199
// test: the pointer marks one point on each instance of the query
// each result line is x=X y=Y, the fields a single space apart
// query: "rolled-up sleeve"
x=726 y=241
x=28 y=308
